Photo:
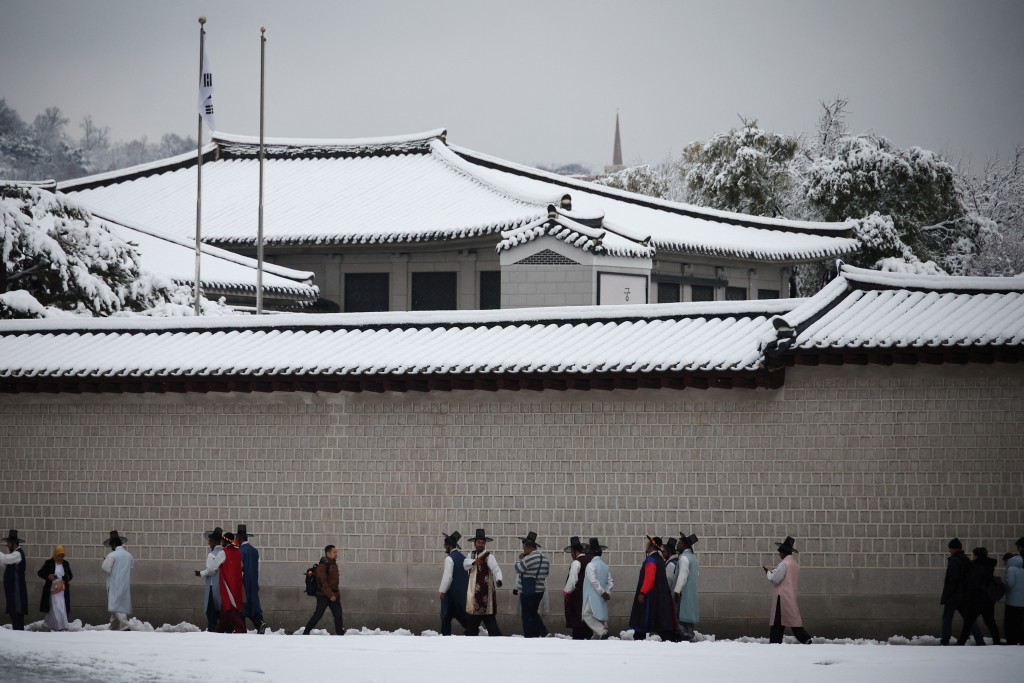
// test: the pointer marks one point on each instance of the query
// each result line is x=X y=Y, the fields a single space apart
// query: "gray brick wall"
x=870 y=469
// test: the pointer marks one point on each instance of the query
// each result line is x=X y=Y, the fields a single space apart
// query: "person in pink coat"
x=785 y=580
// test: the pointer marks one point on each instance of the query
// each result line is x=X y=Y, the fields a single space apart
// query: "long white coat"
x=118 y=566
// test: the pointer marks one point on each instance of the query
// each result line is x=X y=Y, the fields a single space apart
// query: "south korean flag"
x=206 y=93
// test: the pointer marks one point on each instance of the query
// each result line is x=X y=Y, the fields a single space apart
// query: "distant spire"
x=617 y=153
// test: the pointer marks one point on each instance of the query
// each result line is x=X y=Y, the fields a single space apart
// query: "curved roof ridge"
x=424 y=137
x=445 y=155
x=124 y=174
x=932 y=283
x=820 y=228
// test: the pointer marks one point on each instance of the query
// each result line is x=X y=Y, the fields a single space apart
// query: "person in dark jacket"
x=454 y=585
x=327 y=594
x=653 y=611
x=55 y=601
x=15 y=589
x=979 y=577
x=572 y=593
x=954 y=591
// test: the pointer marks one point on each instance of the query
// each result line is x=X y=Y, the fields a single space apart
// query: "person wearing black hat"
x=481 y=597
x=653 y=611
x=668 y=553
x=232 y=589
x=572 y=593
x=15 y=588
x=250 y=580
x=118 y=566
x=211 y=588
x=980 y=576
x=785 y=580
x=1020 y=546
x=532 y=569
x=686 y=587
x=454 y=582
x=597 y=589
x=954 y=592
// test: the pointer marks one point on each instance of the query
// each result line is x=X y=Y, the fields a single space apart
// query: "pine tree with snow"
x=639 y=179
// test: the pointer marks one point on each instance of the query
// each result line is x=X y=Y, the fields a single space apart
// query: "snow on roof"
x=584 y=237
x=222 y=271
x=674 y=226
x=578 y=340
x=379 y=190
x=868 y=309
x=416 y=188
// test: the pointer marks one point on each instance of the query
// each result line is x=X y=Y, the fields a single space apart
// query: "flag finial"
x=202 y=20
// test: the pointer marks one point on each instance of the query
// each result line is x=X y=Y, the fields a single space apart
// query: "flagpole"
x=199 y=170
x=259 y=242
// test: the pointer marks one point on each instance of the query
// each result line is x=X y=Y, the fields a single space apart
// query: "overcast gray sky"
x=531 y=81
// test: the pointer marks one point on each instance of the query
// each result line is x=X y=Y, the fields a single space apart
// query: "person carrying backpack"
x=327 y=594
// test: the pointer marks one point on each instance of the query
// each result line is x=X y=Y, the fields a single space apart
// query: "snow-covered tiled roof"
x=660 y=339
x=862 y=316
x=222 y=272
x=870 y=310
x=584 y=237
x=672 y=226
x=417 y=188
x=381 y=190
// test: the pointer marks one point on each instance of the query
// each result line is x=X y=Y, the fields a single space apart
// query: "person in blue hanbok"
x=251 y=580
x=597 y=589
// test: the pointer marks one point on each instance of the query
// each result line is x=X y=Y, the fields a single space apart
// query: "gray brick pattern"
x=870 y=469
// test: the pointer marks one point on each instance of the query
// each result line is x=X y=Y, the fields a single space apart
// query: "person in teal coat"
x=685 y=590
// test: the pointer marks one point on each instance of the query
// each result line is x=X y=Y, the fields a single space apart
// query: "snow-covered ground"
x=182 y=653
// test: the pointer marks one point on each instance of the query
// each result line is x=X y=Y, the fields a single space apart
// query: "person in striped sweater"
x=532 y=568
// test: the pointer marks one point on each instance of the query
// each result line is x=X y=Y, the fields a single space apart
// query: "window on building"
x=435 y=291
x=367 y=292
x=735 y=293
x=490 y=289
x=767 y=294
x=702 y=293
x=668 y=292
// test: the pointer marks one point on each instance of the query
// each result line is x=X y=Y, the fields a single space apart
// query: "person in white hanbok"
x=56 y=598
x=118 y=566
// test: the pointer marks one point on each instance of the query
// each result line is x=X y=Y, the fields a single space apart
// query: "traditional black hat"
x=688 y=541
x=481 y=536
x=452 y=539
x=955 y=544
x=670 y=545
x=787 y=545
x=114 y=536
x=980 y=552
x=215 y=534
x=531 y=538
x=228 y=536
x=12 y=536
x=656 y=540
x=595 y=548
x=242 y=531
x=575 y=544
x=1020 y=542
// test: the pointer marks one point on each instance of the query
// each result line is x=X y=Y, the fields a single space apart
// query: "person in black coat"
x=653 y=611
x=15 y=590
x=954 y=591
x=979 y=577
x=48 y=574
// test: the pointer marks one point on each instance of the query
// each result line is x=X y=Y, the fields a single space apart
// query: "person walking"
x=785 y=580
x=211 y=574
x=250 y=580
x=454 y=582
x=652 y=610
x=954 y=592
x=118 y=566
x=597 y=589
x=572 y=593
x=686 y=587
x=484 y=577
x=15 y=589
x=327 y=592
x=533 y=569
x=55 y=600
x=668 y=553
x=232 y=591
x=979 y=604
x=1013 y=616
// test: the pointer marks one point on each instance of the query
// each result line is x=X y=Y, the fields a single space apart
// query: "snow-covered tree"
x=642 y=179
x=996 y=197
x=914 y=187
x=58 y=259
x=745 y=170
